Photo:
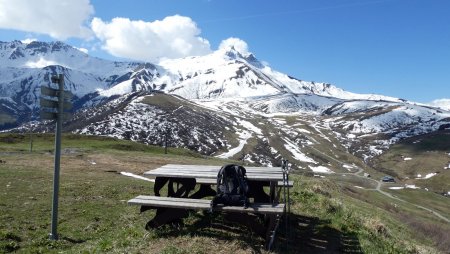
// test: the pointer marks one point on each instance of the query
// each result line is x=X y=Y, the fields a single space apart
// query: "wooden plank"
x=217 y=168
x=210 y=171
x=253 y=208
x=203 y=204
x=214 y=170
x=191 y=200
x=187 y=171
x=256 y=177
x=174 y=166
x=206 y=180
x=212 y=167
x=171 y=204
x=264 y=168
x=214 y=181
x=203 y=172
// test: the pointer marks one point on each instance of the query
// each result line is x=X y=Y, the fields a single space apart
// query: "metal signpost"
x=166 y=133
x=287 y=201
x=53 y=106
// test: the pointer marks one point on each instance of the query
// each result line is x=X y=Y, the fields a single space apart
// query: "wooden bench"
x=273 y=212
x=204 y=204
x=214 y=181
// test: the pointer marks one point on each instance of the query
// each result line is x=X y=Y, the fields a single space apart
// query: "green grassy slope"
x=424 y=155
x=327 y=215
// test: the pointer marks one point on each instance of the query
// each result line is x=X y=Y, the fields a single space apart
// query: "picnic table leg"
x=256 y=191
x=204 y=191
x=272 y=192
x=170 y=215
x=160 y=182
x=165 y=216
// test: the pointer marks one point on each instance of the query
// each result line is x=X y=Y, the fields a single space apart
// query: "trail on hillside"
x=379 y=183
x=378 y=188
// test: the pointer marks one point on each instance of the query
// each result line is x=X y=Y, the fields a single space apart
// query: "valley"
x=214 y=109
x=340 y=212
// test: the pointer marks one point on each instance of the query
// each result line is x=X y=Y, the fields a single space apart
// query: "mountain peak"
x=234 y=54
x=231 y=52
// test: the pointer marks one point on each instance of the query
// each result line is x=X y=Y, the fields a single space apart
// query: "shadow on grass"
x=72 y=240
x=214 y=225
x=303 y=235
x=313 y=235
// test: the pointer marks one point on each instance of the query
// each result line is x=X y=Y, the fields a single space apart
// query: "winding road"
x=378 y=188
x=379 y=183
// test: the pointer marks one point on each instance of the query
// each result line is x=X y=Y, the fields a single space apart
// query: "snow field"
x=321 y=169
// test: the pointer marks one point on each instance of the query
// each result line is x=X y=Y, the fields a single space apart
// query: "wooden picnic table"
x=207 y=171
x=258 y=177
x=181 y=180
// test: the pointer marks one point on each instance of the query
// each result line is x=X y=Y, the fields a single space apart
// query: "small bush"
x=105 y=245
x=376 y=227
x=320 y=190
x=9 y=242
x=8 y=246
x=333 y=206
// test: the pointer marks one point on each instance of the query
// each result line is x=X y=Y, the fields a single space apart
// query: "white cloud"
x=41 y=63
x=28 y=40
x=60 y=19
x=441 y=103
x=84 y=50
x=236 y=43
x=173 y=37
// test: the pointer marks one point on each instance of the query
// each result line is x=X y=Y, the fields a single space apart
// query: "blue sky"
x=399 y=48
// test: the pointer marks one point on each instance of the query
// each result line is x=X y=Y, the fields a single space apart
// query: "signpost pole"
x=31 y=133
x=54 y=233
x=53 y=105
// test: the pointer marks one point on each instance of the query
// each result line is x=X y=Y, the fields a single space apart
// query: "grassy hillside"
x=420 y=155
x=327 y=215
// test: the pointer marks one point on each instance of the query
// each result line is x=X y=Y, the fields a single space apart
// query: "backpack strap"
x=220 y=177
x=240 y=171
x=243 y=184
x=219 y=180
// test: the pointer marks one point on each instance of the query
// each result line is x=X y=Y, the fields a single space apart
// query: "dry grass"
x=326 y=217
x=376 y=227
x=437 y=233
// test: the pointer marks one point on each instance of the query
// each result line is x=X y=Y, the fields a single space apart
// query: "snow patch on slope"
x=321 y=169
x=243 y=137
x=249 y=126
x=119 y=89
x=296 y=153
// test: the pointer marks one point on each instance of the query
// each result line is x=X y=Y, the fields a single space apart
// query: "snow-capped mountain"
x=25 y=67
x=226 y=73
x=38 y=55
x=441 y=103
x=225 y=104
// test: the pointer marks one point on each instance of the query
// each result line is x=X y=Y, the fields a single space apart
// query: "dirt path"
x=379 y=183
x=378 y=188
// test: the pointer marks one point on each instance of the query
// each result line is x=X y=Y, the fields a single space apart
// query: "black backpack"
x=232 y=187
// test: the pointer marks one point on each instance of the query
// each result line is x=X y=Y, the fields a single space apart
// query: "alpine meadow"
x=320 y=169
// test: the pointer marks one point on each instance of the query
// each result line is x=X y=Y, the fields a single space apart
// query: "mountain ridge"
x=226 y=87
